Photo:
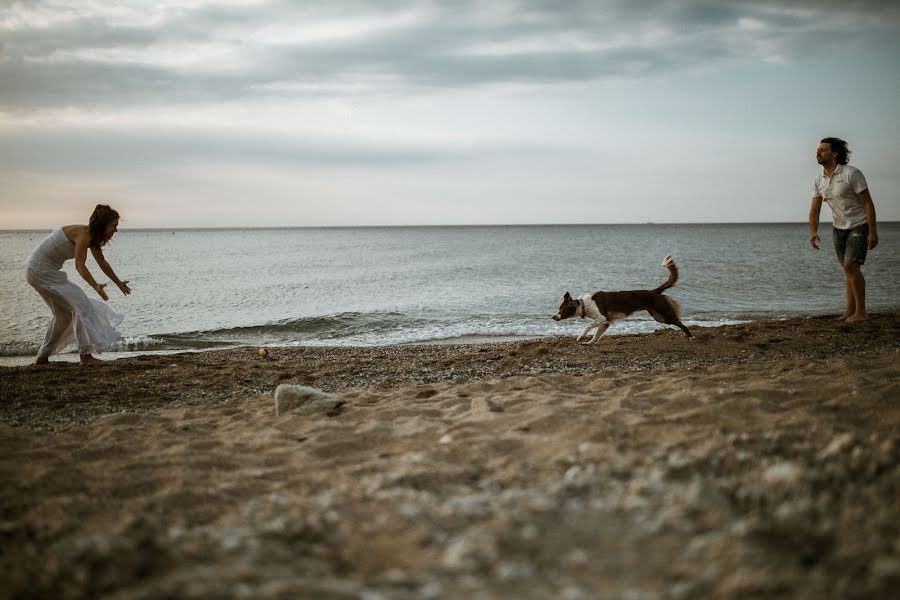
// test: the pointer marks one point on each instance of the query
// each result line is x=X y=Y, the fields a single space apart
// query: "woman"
x=76 y=318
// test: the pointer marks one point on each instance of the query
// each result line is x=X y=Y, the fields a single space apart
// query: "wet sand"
x=758 y=461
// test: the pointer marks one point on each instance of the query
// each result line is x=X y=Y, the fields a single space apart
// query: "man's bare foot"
x=42 y=360
x=87 y=359
x=856 y=318
x=843 y=317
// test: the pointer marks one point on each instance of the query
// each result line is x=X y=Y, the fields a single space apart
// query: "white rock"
x=431 y=590
x=304 y=400
x=483 y=405
x=470 y=550
x=837 y=445
x=576 y=558
x=572 y=593
x=783 y=473
x=572 y=473
x=509 y=571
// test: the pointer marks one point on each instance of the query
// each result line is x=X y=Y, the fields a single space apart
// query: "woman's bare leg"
x=61 y=320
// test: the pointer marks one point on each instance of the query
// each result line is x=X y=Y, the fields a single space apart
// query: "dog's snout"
x=556 y=317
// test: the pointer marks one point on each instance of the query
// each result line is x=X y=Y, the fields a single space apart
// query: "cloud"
x=121 y=151
x=93 y=54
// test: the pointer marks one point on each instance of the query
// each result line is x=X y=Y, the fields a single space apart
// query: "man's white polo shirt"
x=840 y=191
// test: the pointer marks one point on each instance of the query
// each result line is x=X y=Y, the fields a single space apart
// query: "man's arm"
x=814 y=211
x=866 y=198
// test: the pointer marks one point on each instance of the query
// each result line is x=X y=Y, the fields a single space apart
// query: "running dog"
x=604 y=308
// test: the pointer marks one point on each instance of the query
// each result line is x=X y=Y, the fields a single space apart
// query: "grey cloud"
x=431 y=53
x=104 y=151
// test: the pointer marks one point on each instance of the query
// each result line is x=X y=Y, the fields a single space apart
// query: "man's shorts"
x=851 y=244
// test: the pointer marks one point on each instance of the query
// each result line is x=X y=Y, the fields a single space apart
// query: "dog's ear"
x=567 y=296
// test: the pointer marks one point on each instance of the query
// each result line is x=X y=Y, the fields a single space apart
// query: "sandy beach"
x=759 y=461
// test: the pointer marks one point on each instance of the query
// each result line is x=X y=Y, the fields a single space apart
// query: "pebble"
x=304 y=400
x=483 y=405
x=837 y=445
x=470 y=550
x=431 y=590
x=782 y=473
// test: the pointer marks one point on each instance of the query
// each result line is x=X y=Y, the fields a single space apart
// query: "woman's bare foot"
x=42 y=360
x=857 y=317
x=843 y=317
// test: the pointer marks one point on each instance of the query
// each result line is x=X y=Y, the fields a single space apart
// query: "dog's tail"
x=669 y=263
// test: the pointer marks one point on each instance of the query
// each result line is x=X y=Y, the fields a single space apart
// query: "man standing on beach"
x=845 y=190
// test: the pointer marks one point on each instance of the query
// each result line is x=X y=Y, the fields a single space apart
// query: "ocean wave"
x=376 y=329
x=127 y=344
x=324 y=327
x=137 y=344
x=357 y=329
x=18 y=348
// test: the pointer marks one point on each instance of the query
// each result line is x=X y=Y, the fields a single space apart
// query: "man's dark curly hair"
x=839 y=147
x=102 y=216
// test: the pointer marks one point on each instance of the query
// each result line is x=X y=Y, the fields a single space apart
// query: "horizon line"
x=434 y=225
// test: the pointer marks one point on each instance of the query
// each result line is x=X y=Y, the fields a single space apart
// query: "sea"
x=197 y=289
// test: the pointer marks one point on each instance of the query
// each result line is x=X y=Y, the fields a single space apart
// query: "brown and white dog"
x=603 y=308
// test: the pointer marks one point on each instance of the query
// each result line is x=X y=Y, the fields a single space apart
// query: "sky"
x=246 y=113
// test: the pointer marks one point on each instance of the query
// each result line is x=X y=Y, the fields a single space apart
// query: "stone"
x=782 y=473
x=305 y=400
x=483 y=405
x=837 y=445
x=471 y=550
x=885 y=572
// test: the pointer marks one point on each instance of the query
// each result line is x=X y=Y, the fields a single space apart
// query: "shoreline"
x=194 y=378
x=71 y=356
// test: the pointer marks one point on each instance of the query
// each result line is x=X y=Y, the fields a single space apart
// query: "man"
x=845 y=190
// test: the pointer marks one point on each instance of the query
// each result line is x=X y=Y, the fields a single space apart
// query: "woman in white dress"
x=89 y=323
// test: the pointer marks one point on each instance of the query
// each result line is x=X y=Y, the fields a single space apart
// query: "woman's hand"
x=123 y=286
x=101 y=292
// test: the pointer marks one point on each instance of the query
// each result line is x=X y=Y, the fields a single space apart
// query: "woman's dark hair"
x=102 y=216
x=839 y=147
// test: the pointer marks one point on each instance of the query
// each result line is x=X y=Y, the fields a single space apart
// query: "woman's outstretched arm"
x=82 y=241
x=106 y=268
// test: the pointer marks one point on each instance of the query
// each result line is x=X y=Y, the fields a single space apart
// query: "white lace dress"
x=89 y=323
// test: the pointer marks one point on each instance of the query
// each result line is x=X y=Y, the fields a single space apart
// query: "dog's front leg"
x=601 y=329
x=584 y=331
x=601 y=322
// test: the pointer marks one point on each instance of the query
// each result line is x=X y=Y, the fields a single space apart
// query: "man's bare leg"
x=850 y=305
x=858 y=287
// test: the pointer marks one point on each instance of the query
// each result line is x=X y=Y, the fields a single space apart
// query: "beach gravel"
x=759 y=461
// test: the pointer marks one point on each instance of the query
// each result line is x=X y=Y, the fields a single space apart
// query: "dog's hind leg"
x=682 y=327
x=668 y=314
x=672 y=319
